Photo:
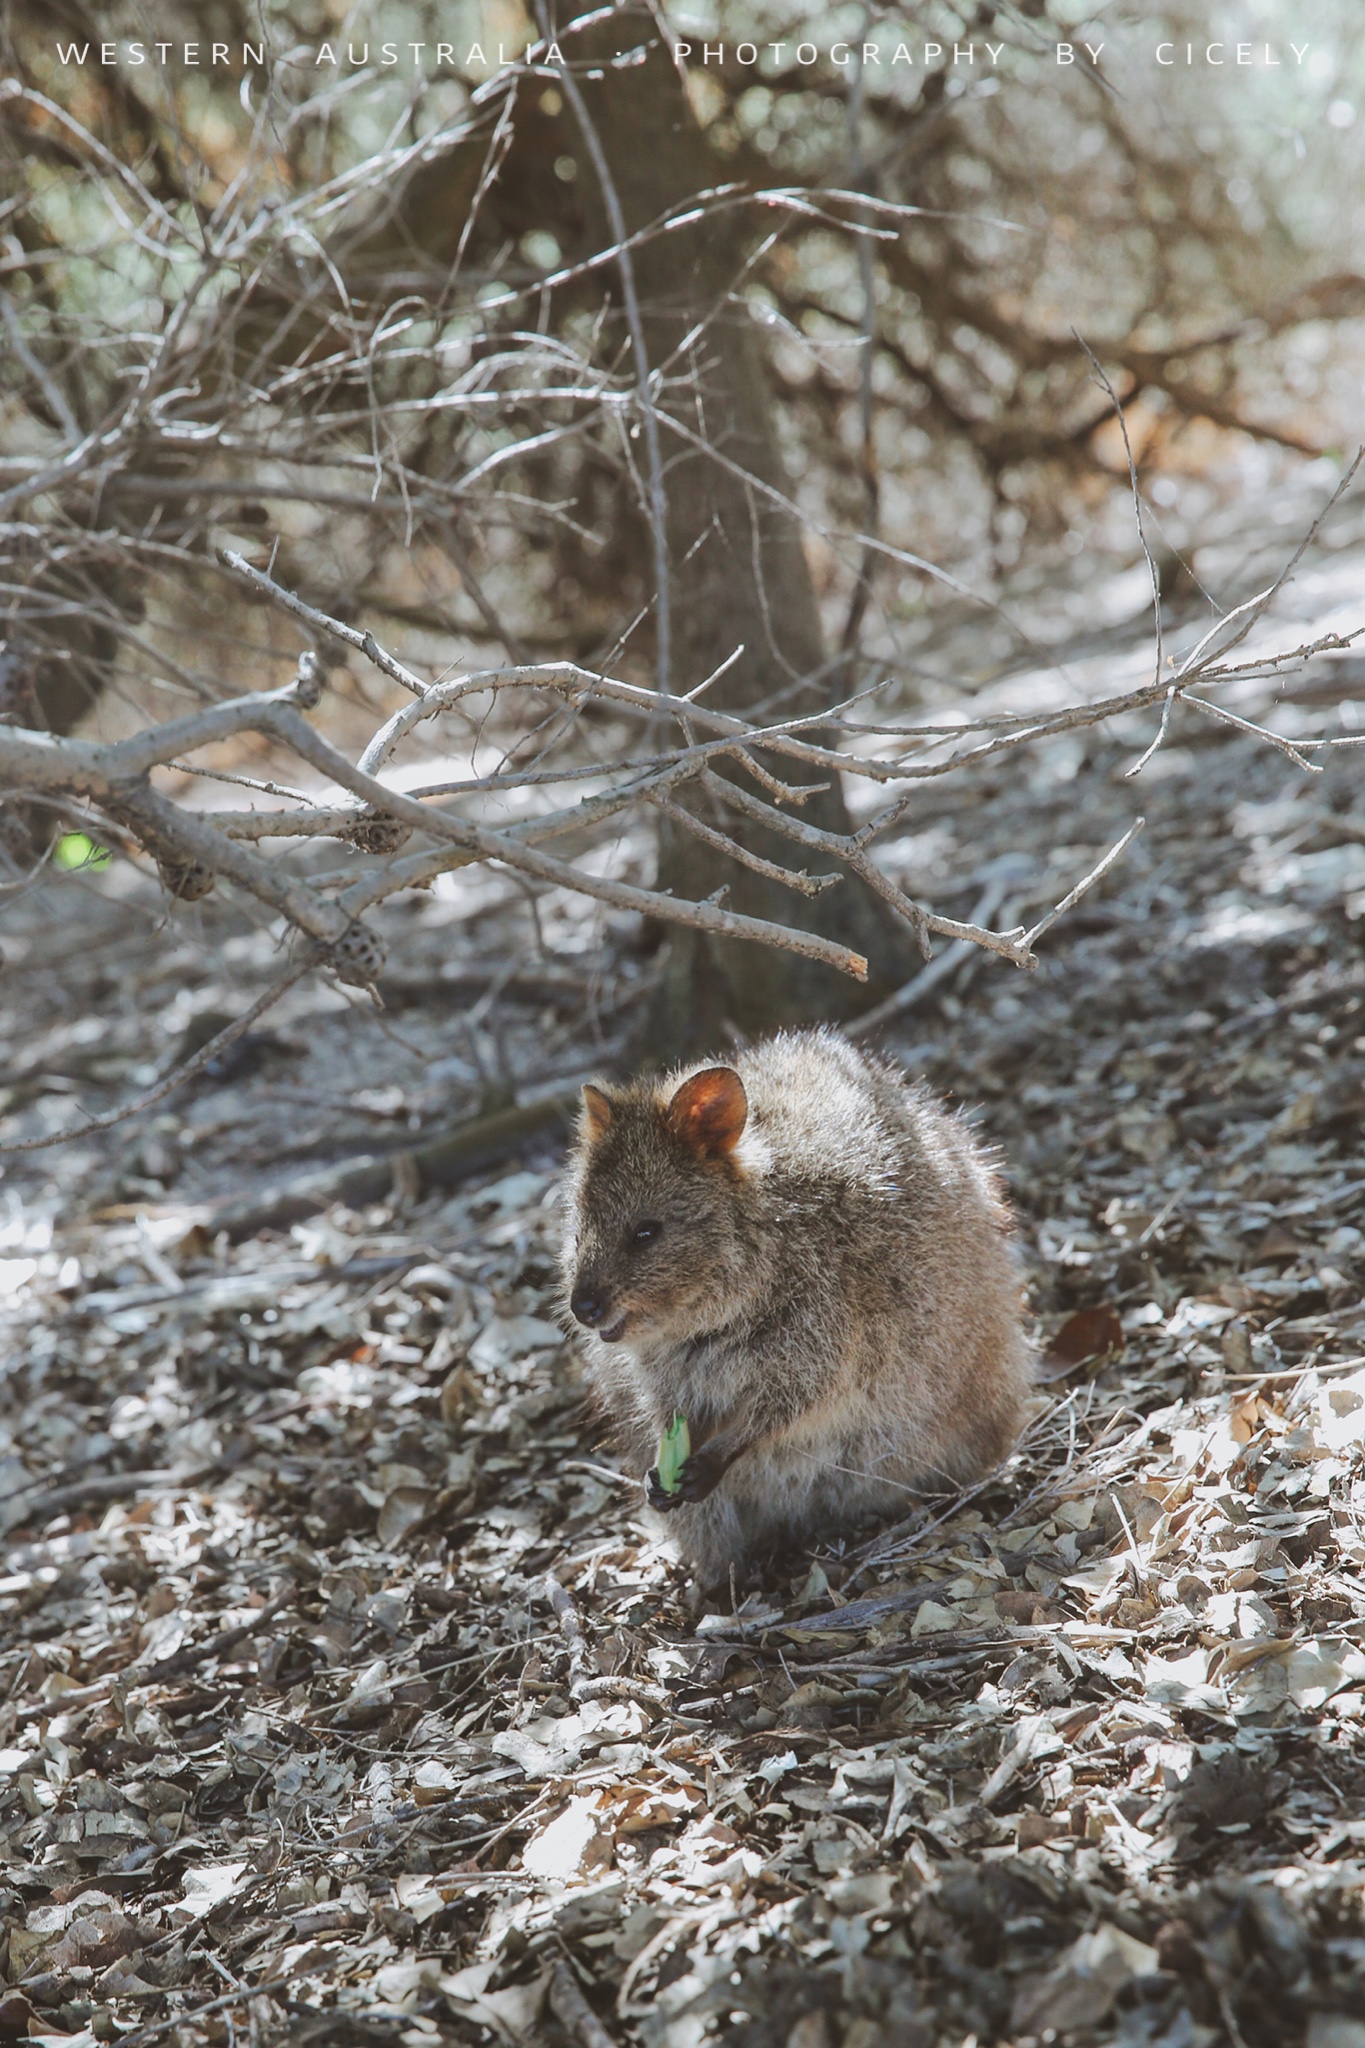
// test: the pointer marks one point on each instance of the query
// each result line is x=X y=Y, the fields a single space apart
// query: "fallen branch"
x=443 y=1161
x=140 y=2036
x=214 y=1646
x=32 y=1506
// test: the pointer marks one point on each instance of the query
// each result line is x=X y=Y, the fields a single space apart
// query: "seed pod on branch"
x=309 y=680
x=182 y=876
x=188 y=880
x=357 y=957
x=373 y=834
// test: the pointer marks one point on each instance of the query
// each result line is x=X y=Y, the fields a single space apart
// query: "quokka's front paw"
x=700 y=1476
x=656 y=1495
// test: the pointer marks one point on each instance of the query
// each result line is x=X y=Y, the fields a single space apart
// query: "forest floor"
x=348 y=1696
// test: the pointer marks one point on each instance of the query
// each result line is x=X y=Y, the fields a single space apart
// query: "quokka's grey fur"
x=828 y=1295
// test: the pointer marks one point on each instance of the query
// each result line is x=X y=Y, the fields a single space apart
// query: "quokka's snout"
x=591 y=1304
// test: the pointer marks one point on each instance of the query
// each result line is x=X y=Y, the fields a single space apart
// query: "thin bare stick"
x=1147 y=753
x=915 y=915
x=812 y=836
x=1262 y=732
x=349 y=636
x=808 y=885
x=704 y=685
x=782 y=737
x=1006 y=945
x=195 y=1654
x=1096 y=874
x=298 y=796
x=185 y=1072
x=867 y=285
x=1152 y=571
x=142 y=2036
x=938 y=970
x=115 y=778
x=1252 y=608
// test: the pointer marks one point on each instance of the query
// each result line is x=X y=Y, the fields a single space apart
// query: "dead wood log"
x=443 y=1161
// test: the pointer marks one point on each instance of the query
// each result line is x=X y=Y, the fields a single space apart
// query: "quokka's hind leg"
x=712 y=1539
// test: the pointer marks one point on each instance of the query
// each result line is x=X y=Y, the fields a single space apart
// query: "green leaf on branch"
x=76 y=851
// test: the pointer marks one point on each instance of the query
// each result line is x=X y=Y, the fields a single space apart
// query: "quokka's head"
x=654 y=1246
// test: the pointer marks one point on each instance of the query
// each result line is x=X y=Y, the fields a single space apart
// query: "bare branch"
x=1226 y=717
x=1113 y=398
x=364 y=643
x=930 y=977
x=1159 y=739
x=407 y=405
x=1074 y=895
x=807 y=885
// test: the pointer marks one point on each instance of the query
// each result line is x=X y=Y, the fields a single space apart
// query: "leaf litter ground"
x=348 y=1695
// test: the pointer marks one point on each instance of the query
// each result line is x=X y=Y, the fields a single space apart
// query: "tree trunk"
x=739 y=574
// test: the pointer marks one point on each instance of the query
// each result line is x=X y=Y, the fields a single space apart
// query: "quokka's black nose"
x=588 y=1307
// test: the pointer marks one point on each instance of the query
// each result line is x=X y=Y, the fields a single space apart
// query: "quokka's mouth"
x=613 y=1335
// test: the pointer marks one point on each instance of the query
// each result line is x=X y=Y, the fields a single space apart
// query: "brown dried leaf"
x=1089 y=1333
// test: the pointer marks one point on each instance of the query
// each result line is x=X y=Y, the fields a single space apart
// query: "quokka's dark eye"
x=645 y=1233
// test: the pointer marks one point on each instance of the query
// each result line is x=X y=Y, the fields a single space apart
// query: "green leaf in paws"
x=675 y=1447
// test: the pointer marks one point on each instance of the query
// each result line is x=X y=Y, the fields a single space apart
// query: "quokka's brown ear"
x=597 y=1112
x=709 y=1112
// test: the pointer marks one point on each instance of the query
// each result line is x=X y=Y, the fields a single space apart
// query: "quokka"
x=808 y=1258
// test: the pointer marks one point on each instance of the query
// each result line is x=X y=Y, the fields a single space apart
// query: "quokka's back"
x=808 y=1259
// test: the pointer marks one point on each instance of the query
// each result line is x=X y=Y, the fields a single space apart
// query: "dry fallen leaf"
x=1089 y=1333
x=1081 y=1990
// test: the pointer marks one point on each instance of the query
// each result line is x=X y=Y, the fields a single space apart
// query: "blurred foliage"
x=77 y=850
